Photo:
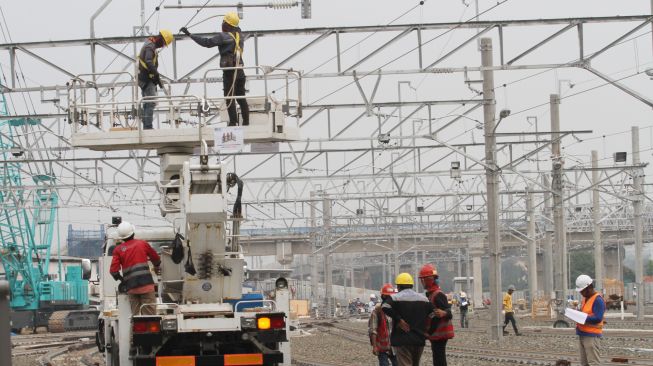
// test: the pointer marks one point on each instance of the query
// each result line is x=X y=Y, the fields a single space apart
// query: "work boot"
x=519 y=334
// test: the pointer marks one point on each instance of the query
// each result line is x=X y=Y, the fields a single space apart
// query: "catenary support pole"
x=328 y=256
x=560 y=252
x=5 y=343
x=532 y=248
x=638 y=176
x=492 y=177
x=395 y=252
x=547 y=245
x=314 y=262
x=596 y=218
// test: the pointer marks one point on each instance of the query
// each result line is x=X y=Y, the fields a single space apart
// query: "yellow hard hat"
x=404 y=279
x=167 y=36
x=232 y=19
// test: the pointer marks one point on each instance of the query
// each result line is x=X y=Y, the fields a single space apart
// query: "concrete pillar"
x=540 y=272
x=477 y=273
x=313 y=256
x=532 y=249
x=613 y=266
x=328 y=267
x=638 y=200
x=560 y=252
x=493 y=202
x=547 y=246
x=596 y=221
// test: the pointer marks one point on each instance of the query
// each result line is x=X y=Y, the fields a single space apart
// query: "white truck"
x=201 y=316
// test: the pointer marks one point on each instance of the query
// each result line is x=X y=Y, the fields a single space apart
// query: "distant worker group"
x=401 y=323
x=230 y=45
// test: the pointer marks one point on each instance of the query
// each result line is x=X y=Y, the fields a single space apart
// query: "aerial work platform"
x=103 y=121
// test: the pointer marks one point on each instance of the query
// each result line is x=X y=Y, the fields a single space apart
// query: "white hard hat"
x=463 y=294
x=582 y=282
x=372 y=296
x=125 y=230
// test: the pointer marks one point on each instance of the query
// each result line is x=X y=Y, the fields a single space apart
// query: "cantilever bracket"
x=462 y=152
x=368 y=103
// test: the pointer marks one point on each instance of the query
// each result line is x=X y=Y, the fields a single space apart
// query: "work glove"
x=157 y=81
x=122 y=288
x=185 y=31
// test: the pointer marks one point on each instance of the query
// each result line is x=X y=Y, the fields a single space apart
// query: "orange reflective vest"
x=587 y=308
x=443 y=328
x=382 y=330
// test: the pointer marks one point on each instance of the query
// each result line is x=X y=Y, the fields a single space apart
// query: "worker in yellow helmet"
x=411 y=313
x=230 y=44
x=148 y=73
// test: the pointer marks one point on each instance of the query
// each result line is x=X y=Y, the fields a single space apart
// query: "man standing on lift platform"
x=230 y=45
x=148 y=73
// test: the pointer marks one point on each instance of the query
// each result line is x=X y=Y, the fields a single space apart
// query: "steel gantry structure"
x=381 y=162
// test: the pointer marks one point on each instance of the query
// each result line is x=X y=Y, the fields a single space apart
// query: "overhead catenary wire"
x=499 y=3
x=8 y=37
x=140 y=30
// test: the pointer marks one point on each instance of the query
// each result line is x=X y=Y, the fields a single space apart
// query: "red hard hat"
x=387 y=289
x=428 y=270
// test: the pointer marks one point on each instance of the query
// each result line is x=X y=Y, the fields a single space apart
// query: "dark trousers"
x=463 y=319
x=510 y=317
x=232 y=88
x=386 y=359
x=439 y=349
x=409 y=355
x=148 y=89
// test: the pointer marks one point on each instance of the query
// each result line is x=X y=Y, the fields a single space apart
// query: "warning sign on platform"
x=229 y=138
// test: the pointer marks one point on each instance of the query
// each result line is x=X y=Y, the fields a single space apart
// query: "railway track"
x=487 y=354
x=49 y=358
x=40 y=344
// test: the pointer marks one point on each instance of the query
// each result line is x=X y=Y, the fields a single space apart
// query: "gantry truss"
x=381 y=159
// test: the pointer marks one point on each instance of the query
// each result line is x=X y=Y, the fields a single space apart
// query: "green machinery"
x=27 y=221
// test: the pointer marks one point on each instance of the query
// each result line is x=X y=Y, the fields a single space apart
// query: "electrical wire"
x=140 y=30
x=564 y=65
x=364 y=39
x=577 y=93
x=20 y=68
x=499 y=3
x=196 y=13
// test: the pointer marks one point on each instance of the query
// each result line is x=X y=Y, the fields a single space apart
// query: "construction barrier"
x=541 y=308
x=299 y=308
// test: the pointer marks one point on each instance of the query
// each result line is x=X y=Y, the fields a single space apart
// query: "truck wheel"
x=114 y=351
x=561 y=324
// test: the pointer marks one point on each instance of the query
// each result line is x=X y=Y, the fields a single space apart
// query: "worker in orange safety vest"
x=379 y=328
x=590 y=332
x=441 y=328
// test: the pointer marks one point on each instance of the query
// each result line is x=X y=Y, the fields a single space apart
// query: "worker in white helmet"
x=591 y=330
x=464 y=306
x=131 y=258
x=372 y=303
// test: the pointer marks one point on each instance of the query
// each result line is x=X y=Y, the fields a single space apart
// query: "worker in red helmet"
x=379 y=327
x=441 y=328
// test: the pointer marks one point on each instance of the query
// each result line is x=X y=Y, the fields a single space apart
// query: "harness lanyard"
x=142 y=62
x=238 y=52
